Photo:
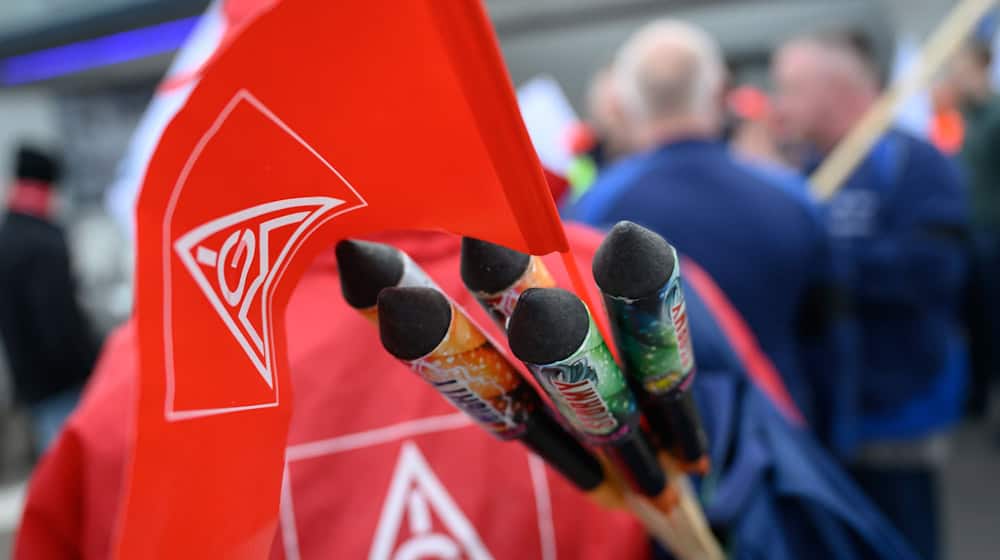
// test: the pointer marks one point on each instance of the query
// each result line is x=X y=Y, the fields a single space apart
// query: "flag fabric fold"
x=316 y=121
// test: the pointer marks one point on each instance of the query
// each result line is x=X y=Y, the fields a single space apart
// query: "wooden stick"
x=945 y=41
x=667 y=529
x=679 y=531
x=695 y=518
x=663 y=527
x=691 y=517
x=680 y=528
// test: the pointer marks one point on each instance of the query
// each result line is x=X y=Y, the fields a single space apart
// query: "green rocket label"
x=654 y=337
x=590 y=390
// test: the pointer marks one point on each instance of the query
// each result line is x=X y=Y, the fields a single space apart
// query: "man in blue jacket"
x=898 y=223
x=761 y=242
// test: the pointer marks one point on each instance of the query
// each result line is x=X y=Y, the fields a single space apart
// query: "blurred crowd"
x=876 y=304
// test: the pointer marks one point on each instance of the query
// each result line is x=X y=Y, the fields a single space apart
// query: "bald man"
x=761 y=243
x=824 y=85
x=898 y=224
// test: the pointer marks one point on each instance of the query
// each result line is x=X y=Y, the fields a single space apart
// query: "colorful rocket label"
x=500 y=305
x=469 y=371
x=590 y=391
x=584 y=400
x=654 y=337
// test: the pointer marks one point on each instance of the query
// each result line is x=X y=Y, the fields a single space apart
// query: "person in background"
x=606 y=117
x=899 y=224
x=601 y=138
x=761 y=242
x=49 y=345
x=968 y=78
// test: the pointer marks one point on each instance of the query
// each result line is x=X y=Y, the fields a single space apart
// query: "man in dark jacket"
x=899 y=225
x=47 y=340
x=761 y=241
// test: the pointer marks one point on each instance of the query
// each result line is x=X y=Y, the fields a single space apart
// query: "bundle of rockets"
x=594 y=435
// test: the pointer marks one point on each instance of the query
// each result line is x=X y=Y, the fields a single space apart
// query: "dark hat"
x=34 y=164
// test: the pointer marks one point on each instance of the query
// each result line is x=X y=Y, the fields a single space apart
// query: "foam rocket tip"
x=365 y=269
x=490 y=268
x=412 y=321
x=632 y=262
x=548 y=325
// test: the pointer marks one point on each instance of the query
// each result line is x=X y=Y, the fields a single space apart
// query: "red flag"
x=320 y=120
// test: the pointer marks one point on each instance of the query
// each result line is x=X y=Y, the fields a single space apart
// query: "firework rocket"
x=553 y=333
x=497 y=276
x=366 y=268
x=434 y=338
x=639 y=276
x=501 y=401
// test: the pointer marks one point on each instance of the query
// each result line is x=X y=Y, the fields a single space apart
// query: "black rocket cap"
x=632 y=262
x=412 y=321
x=548 y=325
x=490 y=268
x=365 y=269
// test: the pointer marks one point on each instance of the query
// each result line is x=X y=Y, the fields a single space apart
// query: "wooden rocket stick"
x=944 y=42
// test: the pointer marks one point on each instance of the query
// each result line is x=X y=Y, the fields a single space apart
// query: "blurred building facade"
x=569 y=39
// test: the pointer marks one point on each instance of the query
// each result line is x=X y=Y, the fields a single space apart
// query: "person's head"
x=670 y=76
x=968 y=74
x=823 y=85
x=606 y=115
x=35 y=165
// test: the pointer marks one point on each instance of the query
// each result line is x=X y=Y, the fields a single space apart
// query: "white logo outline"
x=323 y=448
x=280 y=265
x=243 y=295
x=414 y=486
